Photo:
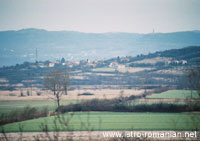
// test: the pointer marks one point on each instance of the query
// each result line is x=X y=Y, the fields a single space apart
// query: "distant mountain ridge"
x=19 y=46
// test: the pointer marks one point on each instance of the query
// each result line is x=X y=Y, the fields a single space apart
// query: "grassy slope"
x=175 y=94
x=112 y=121
x=7 y=106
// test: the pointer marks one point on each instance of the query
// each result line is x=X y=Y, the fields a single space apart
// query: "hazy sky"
x=141 y=16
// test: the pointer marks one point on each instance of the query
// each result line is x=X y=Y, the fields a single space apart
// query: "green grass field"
x=133 y=103
x=175 y=94
x=7 y=106
x=83 y=121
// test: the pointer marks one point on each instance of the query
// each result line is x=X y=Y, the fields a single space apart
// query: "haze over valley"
x=20 y=46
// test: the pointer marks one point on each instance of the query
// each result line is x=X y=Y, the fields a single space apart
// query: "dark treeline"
x=120 y=105
x=26 y=113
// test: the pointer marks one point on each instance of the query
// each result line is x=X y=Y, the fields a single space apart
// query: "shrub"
x=12 y=94
x=21 y=94
x=86 y=93
x=38 y=93
x=27 y=93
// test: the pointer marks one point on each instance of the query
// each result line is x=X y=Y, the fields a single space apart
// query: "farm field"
x=164 y=97
x=103 y=121
x=182 y=94
x=9 y=103
x=99 y=93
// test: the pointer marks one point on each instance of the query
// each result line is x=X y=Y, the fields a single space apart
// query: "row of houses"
x=116 y=65
x=93 y=63
x=88 y=63
x=183 y=62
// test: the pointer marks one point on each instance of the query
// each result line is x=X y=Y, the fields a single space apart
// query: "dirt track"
x=99 y=135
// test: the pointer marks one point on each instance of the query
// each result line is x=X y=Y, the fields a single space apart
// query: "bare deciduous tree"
x=194 y=80
x=66 y=81
x=57 y=81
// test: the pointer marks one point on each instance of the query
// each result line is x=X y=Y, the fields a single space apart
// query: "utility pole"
x=36 y=56
x=153 y=31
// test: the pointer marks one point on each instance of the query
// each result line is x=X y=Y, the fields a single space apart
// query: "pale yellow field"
x=104 y=74
x=104 y=69
x=153 y=60
x=177 y=71
x=77 y=77
x=3 y=80
x=72 y=95
x=133 y=70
